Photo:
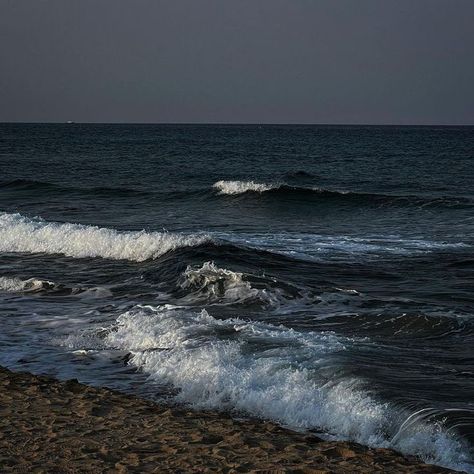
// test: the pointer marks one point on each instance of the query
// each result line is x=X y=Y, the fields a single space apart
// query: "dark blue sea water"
x=318 y=276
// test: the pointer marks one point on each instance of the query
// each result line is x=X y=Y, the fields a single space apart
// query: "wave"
x=234 y=188
x=35 y=235
x=211 y=284
x=36 y=285
x=239 y=188
x=271 y=372
x=25 y=235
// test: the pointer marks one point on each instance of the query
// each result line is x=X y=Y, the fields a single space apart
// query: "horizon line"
x=320 y=124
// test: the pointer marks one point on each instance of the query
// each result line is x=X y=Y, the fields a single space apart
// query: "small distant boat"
x=70 y=122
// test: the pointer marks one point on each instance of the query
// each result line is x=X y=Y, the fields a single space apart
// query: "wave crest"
x=240 y=187
x=21 y=234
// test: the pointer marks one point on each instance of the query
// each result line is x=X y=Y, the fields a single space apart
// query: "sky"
x=239 y=61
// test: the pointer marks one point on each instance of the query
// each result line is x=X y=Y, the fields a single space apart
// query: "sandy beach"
x=66 y=427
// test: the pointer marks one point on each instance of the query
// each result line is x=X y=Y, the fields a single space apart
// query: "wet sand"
x=66 y=427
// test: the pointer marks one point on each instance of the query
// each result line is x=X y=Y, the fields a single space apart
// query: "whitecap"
x=240 y=187
x=22 y=234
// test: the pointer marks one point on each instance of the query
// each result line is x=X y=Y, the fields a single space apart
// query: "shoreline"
x=68 y=427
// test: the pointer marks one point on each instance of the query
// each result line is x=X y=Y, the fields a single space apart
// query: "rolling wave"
x=235 y=188
x=25 y=235
x=35 y=235
x=268 y=371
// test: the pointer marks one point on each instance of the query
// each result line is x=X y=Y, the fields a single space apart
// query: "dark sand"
x=66 y=427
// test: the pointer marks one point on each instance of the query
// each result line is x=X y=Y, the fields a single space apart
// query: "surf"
x=268 y=371
x=25 y=235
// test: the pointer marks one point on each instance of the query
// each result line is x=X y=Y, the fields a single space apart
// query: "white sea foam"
x=240 y=187
x=21 y=234
x=271 y=372
x=319 y=246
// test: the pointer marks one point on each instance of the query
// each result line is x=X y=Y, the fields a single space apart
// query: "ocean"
x=318 y=276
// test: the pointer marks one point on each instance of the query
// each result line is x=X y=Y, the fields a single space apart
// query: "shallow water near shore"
x=319 y=277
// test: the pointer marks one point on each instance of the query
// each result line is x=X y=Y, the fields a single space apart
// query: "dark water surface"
x=318 y=276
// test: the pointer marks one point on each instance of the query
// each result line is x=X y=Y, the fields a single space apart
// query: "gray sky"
x=265 y=61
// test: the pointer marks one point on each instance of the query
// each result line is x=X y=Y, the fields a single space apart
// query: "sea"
x=318 y=276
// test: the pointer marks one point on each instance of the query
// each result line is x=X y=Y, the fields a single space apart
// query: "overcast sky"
x=257 y=61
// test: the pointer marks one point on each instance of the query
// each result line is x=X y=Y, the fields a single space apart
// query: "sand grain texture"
x=66 y=427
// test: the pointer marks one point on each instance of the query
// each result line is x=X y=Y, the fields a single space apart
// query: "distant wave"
x=262 y=370
x=22 y=234
x=239 y=187
x=235 y=188
x=282 y=190
x=242 y=187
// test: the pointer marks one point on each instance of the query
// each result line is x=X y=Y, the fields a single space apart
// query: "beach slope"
x=67 y=427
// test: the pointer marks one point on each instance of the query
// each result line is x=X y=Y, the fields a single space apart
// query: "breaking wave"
x=211 y=284
x=233 y=188
x=239 y=187
x=22 y=234
x=271 y=372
